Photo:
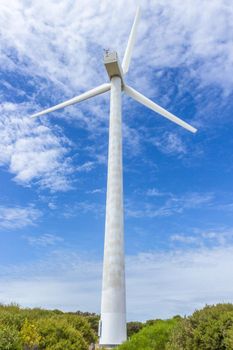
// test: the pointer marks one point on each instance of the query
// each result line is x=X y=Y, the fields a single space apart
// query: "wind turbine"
x=112 y=328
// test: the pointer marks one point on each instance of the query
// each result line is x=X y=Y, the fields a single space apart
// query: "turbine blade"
x=150 y=104
x=88 y=94
x=131 y=41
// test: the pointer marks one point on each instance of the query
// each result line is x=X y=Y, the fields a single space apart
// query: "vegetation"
x=153 y=336
x=208 y=329
x=133 y=328
x=35 y=329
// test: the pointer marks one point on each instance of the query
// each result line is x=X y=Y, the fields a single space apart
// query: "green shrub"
x=152 y=337
x=208 y=329
x=30 y=336
x=133 y=328
x=57 y=333
x=9 y=338
x=82 y=326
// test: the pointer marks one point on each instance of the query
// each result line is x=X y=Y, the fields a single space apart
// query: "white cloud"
x=84 y=207
x=154 y=192
x=96 y=190
x=170 y=143
x=171 y=34
x=158 y=284
x=43 y=240
x=208 y=238
x=172 y=205
x=31 y=151
x=185 y=239
x=132 y=141
x=67 y=50
x=167 y=205
x=60 y=56
x=165 y=284
x=52 y=205
x=57 y=47
x=18 y=217
x=86 y=167
x=64 y=279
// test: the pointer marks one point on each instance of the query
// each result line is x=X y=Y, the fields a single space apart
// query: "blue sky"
x=178 y=186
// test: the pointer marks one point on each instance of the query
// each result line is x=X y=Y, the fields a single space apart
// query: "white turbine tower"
x=112 y=330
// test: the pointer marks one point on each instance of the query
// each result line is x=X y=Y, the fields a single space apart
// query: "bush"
x=57 y=334
x=133 y=328
x=82 y=326
x=9 y=338
x=152 y=337
x=208 y=329
x=30 y=329
x=29 y=336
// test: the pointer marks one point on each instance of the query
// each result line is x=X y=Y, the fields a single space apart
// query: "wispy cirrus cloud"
x=154 y=192
x=206 y=238
x=186 y=239
x=86 y=167
x=171 y=205
x=170 y=143
x=43 y=240
x=96 y=190
x=84 y=207
x=18 y=217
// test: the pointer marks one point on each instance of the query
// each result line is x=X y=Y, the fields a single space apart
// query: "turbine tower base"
x=114 y=329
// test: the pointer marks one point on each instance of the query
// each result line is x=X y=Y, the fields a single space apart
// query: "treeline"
x=208 y=329
x=32 y=329
x=36 y=329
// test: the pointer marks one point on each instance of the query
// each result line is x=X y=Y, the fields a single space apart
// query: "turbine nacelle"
x=113 y=65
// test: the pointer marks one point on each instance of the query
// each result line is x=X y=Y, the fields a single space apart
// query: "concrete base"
x=114 y=329
x=107 y=347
